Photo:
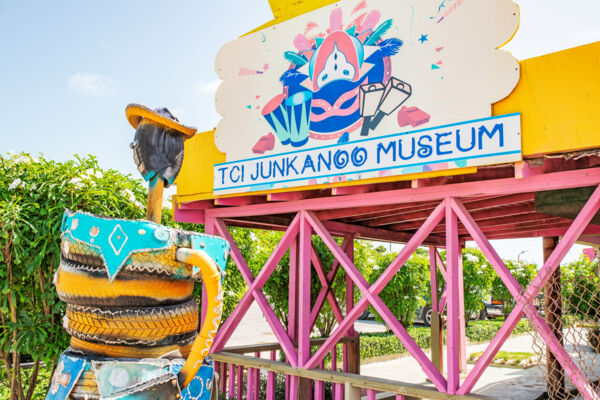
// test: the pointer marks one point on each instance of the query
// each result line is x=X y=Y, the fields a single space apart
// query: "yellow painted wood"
x=200 y=154
x=558 y=97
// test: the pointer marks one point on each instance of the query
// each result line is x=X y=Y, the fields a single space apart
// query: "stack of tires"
x=143 y=313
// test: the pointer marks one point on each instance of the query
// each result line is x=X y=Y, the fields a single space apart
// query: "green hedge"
x=381 y=344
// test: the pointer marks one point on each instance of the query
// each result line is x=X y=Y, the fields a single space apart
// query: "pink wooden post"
x=231 y=388
x=370 y=394
x=303 y=304
x=351 y=360
x=339 y=391
x=320 y=386
x=452 y=283
x=250 y=382
x=292 y=381
x=334 y=368
x=240 y=382
x=524 y=300
x=271 y=380
x=461 y=313
x=433 y=277
x=257 y=379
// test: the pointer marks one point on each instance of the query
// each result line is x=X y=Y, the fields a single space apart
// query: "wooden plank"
x=367 y=382
x=253 y=348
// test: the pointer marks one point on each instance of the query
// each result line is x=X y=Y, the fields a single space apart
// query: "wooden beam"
x=367 y=382
x=239 y=201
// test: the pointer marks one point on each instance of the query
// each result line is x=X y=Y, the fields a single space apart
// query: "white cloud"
x=209 y=87
x=91 y=84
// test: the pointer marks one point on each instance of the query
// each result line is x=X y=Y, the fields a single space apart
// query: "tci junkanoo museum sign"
x=367 y=89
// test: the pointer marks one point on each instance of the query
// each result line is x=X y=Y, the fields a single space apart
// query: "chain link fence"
x=571 y=306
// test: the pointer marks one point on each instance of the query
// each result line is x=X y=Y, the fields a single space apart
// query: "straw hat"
x=136 y=113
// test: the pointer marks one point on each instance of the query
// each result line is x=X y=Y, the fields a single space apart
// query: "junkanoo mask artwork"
x=355 y=71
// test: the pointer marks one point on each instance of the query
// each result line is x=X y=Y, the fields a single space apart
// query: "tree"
x=523 y=272
x=34 y=192
x=408 y=289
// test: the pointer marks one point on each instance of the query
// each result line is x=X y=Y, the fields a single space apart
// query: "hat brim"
x=136 y=112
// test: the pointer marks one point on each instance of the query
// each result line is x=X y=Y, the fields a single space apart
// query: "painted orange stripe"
x=71 y=284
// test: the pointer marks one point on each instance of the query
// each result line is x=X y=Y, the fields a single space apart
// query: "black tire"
x=426 y=315
x=149 y=326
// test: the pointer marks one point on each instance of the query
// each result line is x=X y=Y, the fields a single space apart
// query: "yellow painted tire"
x=76 y=284
x=121 y=351
x=149 y=326
x=86 y=387
x=159 y=263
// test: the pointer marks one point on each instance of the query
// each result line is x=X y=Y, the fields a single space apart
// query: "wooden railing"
x=233 y=364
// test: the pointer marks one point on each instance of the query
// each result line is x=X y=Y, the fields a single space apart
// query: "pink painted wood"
x=189 y=216
x=452 y=283
x=440 y=263
x=370 y=294
x=370 y=394
x=257 y=379
x=270 y=395
x=326 y=290
x=339 y=391
x=497 y=187
x=333 y=368
x=240 y=382
x=443 y=298
x=524 y=300
x=320 y=386
x=349 y=304
x=304 y=286
x=461 y=313
x=254 y=292
x=250 y=384
x=231 y=386
x=433 y=277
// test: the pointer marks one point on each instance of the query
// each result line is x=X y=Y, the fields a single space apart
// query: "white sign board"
x=346 y=75
x=486 y=141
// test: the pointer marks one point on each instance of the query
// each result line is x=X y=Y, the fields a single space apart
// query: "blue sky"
x=69 y=68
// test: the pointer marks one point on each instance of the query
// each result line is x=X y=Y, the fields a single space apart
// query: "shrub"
x=34 y=192
x=407 y=290
x=523 y=273
x=580 y=292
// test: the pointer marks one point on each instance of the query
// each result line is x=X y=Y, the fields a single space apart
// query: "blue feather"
x=390 y=47
x=292 y=76
x=378 y=33
x=295 y=58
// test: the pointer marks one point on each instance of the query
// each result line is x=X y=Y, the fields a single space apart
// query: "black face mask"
x=158 y=151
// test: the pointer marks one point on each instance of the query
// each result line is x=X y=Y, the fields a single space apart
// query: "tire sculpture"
x=128 y=288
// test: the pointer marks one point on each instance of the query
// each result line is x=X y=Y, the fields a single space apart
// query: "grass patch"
x=515 y=359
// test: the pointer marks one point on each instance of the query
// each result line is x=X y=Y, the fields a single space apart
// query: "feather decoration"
x=302 y=43
x=370 y=22
x=390 y=47
x=292 y=76
x=378 y=33
x=295 y=59
x=335 y=20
